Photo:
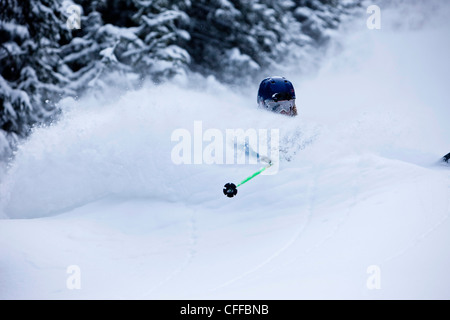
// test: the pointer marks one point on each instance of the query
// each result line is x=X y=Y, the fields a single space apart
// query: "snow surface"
x=99 y=190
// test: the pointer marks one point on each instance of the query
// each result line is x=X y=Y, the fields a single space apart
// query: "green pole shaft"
x=254 y=175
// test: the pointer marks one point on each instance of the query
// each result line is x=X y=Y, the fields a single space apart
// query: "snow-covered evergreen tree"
x=89 y=59
x=229 y=36
x=224 y=40
x=30 y=80
x=127 y=40
x=317 y=17
x=160 y=27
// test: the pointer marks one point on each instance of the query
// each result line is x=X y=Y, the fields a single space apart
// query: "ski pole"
x=230 y=189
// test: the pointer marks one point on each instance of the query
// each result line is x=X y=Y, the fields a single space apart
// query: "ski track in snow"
x=301 y=230
x=343 y=219
x=190 y=255
x=425 y=235
x=312 y=191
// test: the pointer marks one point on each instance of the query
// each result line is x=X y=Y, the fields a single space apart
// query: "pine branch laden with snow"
x=147 y=46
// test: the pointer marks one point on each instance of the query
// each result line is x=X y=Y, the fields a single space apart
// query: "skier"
x=277 y=94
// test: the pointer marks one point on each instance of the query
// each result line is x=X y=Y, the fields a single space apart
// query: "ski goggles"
x=280 y=106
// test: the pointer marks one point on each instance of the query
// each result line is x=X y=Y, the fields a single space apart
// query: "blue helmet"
x=277 y=94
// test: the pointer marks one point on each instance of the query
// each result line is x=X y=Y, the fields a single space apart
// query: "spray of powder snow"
x=379 y=92
x=124 y=149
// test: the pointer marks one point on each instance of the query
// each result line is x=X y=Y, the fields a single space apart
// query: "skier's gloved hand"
x=446 y=158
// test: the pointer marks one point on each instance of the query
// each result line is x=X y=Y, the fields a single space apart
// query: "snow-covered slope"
x=361 y=192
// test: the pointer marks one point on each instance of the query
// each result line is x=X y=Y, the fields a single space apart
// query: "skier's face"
x=283 y=107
